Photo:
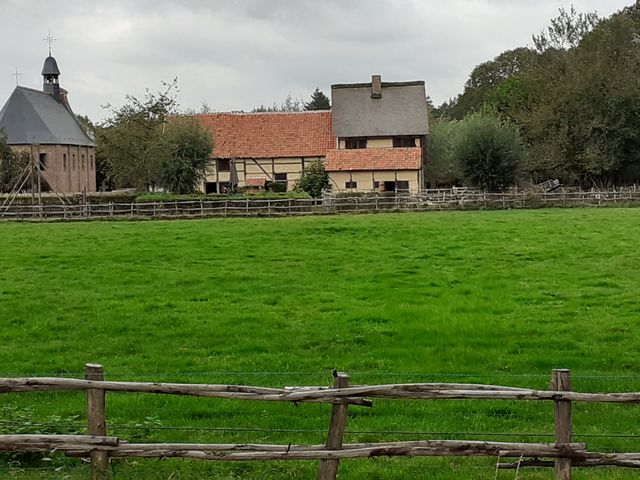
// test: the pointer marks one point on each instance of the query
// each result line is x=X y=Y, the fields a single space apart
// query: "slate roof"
x=374 y=159
x=33 y=117
x=50 y=66
x=402 y=110
x=269 y=135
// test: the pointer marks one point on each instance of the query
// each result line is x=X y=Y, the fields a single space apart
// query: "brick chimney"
x=376 y=86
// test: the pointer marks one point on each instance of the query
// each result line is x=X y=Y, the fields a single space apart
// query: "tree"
x=584 y=129
x=289 y=104
x=190 y=146
x=485 y=78
x=12 y=165
x=319 y=101
x=566 y=31
x=442 y=168
x=131 y=141
x=489 y=152
x=314 y=179
x=144 y=144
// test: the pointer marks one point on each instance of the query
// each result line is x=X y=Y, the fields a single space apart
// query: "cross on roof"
x=16 y=75
x=49 y=39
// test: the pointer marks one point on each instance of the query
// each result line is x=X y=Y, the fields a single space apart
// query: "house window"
x=224 y=165
x=351 y=184
x=376 y=185
x=64 y=161
x=404 y=142
x=353 y=143
x=280 y=177
x=43 y=161
x=402 y=185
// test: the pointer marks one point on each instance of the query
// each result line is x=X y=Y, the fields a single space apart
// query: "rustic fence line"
x=206 y=208
x=563 y=454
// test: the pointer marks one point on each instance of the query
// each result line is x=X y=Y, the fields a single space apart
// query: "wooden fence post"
x=561 y=381
x=328 y=469
x=96 y=419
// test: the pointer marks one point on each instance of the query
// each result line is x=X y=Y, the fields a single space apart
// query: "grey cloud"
x=238 y=54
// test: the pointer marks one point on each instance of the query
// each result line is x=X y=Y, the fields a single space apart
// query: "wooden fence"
x=230 y=207
x=562 y=455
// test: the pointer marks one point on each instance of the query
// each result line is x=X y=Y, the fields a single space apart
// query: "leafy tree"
x=12 y=164
x=144 y=144
x=314 y=179
x=190 y=146
x=131 y=141
x=566 y=31
x=289 y=104
x=486 y=77
x=584 y=129
x=319 y=101
x=443 y=168
x=489 y=152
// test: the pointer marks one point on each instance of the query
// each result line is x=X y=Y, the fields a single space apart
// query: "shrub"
x=314 y=179
x=489 y=151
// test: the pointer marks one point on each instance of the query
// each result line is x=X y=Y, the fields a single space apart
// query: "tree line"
x=568 y=108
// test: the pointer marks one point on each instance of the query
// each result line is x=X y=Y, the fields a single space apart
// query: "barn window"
x=355 y=143
x=223 y=165
x=376 y=185
x=351 y=184
x=280 y=177
x=73 y=162
x=83 y=164
x=64 y=161
x=404 y=142
x=402 y=185
x=43 y=161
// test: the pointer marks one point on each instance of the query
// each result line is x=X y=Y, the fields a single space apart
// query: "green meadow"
x=499 y=297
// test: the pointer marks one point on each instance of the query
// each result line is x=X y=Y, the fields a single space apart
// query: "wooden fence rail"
x=375 y=203
x=563 y=454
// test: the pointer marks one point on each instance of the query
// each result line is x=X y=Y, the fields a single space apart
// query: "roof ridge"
x=303 y=112
x=20 y=87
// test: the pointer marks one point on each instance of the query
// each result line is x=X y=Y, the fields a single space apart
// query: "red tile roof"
x=374 y=159
x=269 y=135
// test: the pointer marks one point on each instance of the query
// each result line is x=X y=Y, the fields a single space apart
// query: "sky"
x=238 y=54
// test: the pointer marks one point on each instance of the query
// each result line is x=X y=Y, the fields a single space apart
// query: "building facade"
x=254 y=150
x=380 y=131
x=373 y=140
x=42 y=124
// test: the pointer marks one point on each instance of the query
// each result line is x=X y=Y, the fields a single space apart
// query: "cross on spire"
x=49 y=39
x=16 y=75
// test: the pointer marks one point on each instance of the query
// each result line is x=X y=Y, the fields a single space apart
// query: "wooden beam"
x=561 y=381
x=328 y=469
x=96 y=420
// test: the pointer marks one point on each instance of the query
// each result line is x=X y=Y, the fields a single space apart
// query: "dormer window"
x=354 y=143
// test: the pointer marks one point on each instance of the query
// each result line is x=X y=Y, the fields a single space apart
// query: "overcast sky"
x=237 y=54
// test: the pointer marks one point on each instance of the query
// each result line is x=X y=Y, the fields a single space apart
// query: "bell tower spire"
x=51 y=72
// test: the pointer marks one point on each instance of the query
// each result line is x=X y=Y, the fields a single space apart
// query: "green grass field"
x=492 y=297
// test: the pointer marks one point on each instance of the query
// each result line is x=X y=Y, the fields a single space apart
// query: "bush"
x=489 y=151
x=314 y=179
